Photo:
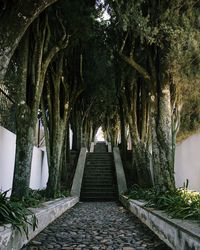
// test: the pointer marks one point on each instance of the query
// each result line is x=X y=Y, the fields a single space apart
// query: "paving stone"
x=36 y=243
x=96 y=226
x=128 y=248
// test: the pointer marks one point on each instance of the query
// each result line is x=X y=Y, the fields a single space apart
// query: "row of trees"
x=155 y=51
x=50 y=73
x=125 y=74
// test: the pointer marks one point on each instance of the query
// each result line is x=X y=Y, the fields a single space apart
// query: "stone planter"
x=177 y=234
x=11 y=239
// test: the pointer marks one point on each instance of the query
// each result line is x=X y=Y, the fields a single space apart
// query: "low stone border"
x=11 y=239
x=177 y=234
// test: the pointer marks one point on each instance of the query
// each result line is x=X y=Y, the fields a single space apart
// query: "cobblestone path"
x=96 y=225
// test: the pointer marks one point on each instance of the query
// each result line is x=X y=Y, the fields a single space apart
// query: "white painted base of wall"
x=11 y=239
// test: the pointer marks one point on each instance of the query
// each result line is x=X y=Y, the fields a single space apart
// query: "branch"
x=136 y=66
x=62 y=44
x=7 y=96
x=88 y=110
x=123 y=43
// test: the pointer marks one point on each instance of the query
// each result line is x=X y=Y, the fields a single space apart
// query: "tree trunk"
x=123 y=130
x=24 y=148
x=139 y=135
x=141 y=161
x=53 y=184
x=163 y=164
x=65 y=160
x=76 y=129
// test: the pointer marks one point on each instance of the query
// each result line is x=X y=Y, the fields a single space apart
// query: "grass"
x=180 y=203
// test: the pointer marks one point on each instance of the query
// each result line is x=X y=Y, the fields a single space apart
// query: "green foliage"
x=181 y=203
x=16 y=214
x=36 y=197
x=190 y=113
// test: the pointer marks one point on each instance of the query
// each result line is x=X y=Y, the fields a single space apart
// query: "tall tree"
x=33 y=64
x=15 y=18
x=148 y=33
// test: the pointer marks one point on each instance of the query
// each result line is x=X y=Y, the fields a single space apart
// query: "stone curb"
x=11 y=239
x=177 y=234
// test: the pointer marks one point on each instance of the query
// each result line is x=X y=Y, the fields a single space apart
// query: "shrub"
x=16 y=214
x=180 y=203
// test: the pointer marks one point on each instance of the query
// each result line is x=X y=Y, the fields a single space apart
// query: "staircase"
x=99 y=182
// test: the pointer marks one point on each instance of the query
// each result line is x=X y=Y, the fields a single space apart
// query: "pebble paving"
x=96 y=225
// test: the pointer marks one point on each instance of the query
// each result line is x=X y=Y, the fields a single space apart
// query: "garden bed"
x=12 y=239
x=176 y=233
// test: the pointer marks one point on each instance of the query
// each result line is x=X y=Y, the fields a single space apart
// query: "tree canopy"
x=135 y=74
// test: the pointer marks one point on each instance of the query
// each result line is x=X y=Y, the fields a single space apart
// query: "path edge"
x=177 y=234
x=49 y=211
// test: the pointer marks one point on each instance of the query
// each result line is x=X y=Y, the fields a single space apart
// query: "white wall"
x=187 y=162
x=45 y=171
x=70 y=137
x=39 y=166
x=7 y=158
x=36 y=170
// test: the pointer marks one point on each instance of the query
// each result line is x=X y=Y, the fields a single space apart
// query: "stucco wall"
x=187 y=162
x=7 y=158
x=45 y=171
x=39 y=167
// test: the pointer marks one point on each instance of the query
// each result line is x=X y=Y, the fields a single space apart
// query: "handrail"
x=78 y=177
x=121 y=179
x=92 y=147
x=109 y=147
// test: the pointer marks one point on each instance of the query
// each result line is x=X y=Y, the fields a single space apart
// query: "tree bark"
x=163 y=164
x=29 y=100
x=123 y=129
x=24 y=148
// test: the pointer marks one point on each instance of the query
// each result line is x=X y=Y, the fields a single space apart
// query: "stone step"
x=98 y=177
x=100 y=164
x=99 y=160
x=94 y=168
x=98 y=190
x=101 y=195
x=106 y=171
x=99 y=184
x=91 y=177
x=99 y=154
x=96 y=171
x=99 y=199
x=98 y=180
